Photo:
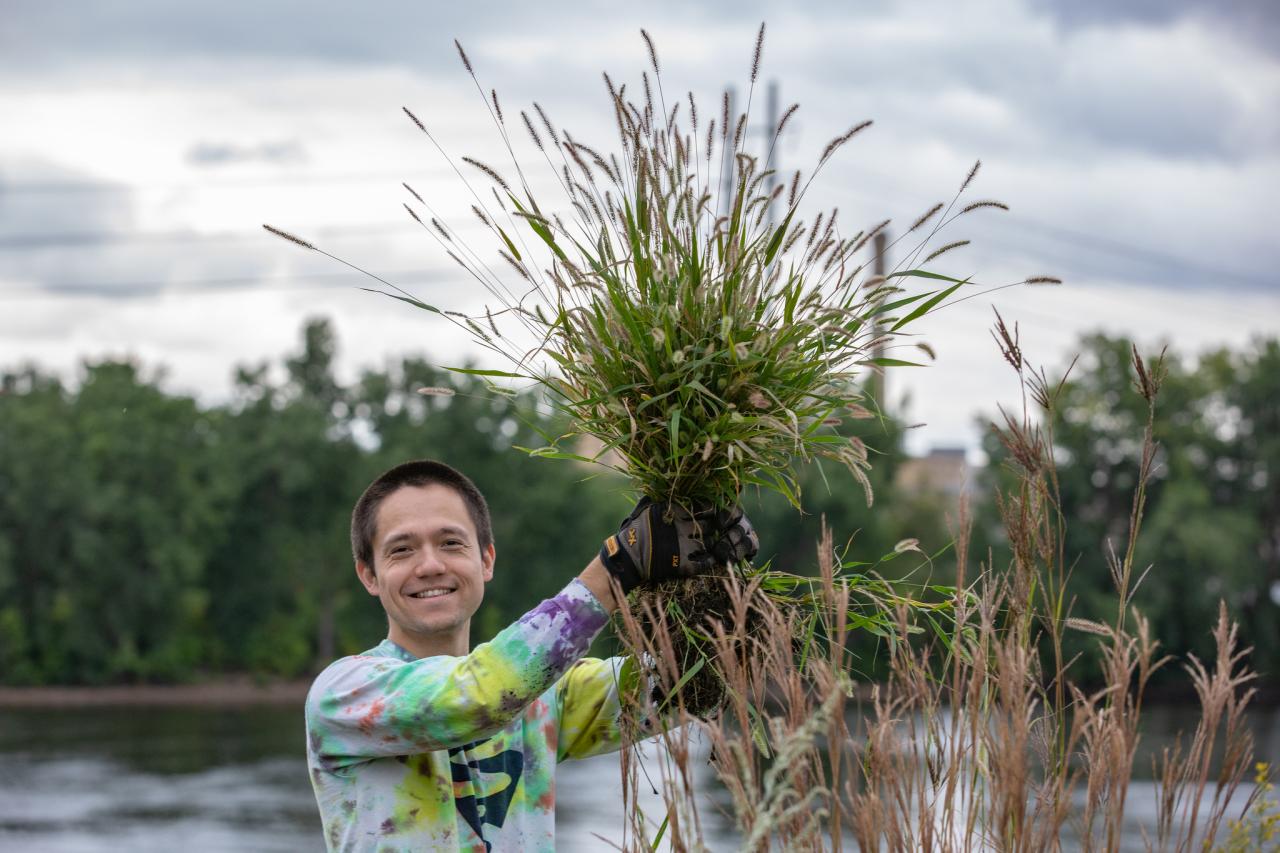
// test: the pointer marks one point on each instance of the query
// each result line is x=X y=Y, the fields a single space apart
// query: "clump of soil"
x=687 y=611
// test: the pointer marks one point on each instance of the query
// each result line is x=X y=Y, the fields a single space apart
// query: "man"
x=422 y=743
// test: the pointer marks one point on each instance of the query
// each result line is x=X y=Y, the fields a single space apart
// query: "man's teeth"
x=431 y=593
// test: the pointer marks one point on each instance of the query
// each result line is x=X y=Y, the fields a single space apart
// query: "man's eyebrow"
x=446 y=530
x=396 y=539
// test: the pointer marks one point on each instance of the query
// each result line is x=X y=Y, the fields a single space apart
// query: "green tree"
x=1212 y=520
x=110 y=502
x=276 y=579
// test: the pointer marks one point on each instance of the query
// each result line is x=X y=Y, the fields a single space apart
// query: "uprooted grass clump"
x=680 y=311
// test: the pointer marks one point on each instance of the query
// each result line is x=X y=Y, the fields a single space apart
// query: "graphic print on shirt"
x=485 y=776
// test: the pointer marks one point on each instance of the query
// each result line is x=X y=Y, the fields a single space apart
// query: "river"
x=196 y=780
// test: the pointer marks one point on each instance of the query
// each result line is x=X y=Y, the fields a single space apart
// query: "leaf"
x=538 y=228
x=890 y=362
x=553 y=453
x=414 y=302
x=477 y=371
x=662 y=830
x=512 y=246
x=897 y=303
x=924 y=307
x=775 y=242
x=926 y=274
x=674 y=428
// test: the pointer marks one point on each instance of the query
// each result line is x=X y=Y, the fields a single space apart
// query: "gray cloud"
x=1254 y=21
x=282 y=152
x=36 y=34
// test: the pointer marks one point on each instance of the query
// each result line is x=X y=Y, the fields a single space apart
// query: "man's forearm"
x=596 y=578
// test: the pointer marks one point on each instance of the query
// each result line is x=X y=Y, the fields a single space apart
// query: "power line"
x=23 y=242
x=1079 y=239
x=92 y=187
x=135 y=289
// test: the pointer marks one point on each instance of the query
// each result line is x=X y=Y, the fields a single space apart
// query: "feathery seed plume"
x=653 y=53
x=929 y=214
x=422 y=127
x=292 y=239
x=413 y=192
x=786 y=117
x=947 y=248
x=466 y=63
x=546 y=122
x=528 y=124
x=977 y=204
x=488 y=170
x=755 y=60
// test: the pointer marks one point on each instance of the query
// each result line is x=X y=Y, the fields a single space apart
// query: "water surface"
x=195 y=779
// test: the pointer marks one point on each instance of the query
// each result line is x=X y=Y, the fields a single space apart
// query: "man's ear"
x=487 y=557
x=367 y=577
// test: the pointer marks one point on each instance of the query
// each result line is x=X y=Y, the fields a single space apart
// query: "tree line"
x=147 y=537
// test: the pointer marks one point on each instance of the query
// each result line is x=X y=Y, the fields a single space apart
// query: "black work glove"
x=661 y=541
x=732 y=538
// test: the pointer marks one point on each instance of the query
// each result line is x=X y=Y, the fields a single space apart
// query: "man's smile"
x=434 y=592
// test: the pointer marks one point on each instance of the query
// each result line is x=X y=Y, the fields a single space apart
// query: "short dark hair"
x=420 y=472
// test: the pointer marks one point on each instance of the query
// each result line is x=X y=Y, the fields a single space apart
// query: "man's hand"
x=660 y=541
x=734 y=538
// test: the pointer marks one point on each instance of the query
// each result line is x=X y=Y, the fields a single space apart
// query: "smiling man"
x=422 y=743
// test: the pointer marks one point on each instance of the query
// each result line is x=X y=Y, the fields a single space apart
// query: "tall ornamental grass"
x=981 y=737
x=681 y=311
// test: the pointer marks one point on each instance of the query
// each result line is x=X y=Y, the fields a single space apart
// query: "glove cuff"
x=619 y=564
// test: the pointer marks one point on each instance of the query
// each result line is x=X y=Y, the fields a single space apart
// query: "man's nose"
x=431 y=562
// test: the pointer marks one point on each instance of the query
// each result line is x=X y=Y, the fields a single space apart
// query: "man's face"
x=429 y=571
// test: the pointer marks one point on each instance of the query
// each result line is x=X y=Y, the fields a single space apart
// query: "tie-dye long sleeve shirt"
x=459 y=753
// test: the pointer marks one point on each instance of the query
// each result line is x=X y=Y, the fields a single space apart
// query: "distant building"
x=943 y=472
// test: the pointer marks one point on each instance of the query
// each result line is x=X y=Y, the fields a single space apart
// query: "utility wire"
x=132 y=289
x=91 y=187
x=99 y=238
x=1068 y=236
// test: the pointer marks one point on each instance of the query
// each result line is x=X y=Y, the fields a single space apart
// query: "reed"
x=979 y=739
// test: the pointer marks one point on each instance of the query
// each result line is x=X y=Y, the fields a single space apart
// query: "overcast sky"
x=142 y=143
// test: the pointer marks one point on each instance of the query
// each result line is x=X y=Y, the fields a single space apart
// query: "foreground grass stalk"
x=966 y=746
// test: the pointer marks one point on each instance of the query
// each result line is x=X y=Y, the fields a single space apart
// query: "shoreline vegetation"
x=245 y=690
x=225 y=692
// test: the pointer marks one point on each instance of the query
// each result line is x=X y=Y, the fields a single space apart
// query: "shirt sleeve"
x=368 y=706
x=589 y=706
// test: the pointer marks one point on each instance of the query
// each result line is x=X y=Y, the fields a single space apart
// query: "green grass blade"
x=662 y=830
x=925 y=307
x=926 y=274
x=478 y=371
x=409 y=299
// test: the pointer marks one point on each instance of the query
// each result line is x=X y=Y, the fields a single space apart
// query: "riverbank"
x=224 y=693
